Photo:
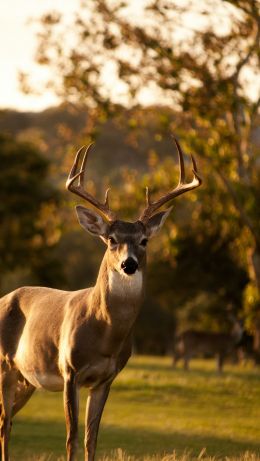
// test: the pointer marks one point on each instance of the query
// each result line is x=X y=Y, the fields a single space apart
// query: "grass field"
x=154 y=413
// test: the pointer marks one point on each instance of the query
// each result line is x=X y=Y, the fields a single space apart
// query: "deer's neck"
x=119 y=295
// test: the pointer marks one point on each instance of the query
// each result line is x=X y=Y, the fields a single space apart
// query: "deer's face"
x=126 y=241
x=126 y=244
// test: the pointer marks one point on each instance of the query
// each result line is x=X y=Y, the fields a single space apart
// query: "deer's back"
x=201 y=342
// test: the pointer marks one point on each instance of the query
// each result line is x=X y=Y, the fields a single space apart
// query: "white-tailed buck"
x=193 y=343
x=60 y=340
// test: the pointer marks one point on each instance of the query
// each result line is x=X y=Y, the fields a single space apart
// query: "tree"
x=206 y=72
x=28 y=232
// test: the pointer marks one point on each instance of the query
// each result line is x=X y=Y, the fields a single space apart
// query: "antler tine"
x=195 y=169
x=72 y=174
x=102 y=208
x=107 y=197
x=147 y=195
x=182 y=187
x=83 y=165
x=181 y=161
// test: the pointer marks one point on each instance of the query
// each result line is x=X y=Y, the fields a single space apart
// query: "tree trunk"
x=254 y=272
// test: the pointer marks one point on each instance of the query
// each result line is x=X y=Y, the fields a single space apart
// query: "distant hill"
x=60 y=131
x=127 y=141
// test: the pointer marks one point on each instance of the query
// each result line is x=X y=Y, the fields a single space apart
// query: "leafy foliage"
x=28 y=226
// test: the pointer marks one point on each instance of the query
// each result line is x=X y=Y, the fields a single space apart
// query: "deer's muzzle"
x=129 y=266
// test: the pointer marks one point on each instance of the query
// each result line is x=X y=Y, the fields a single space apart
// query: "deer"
x=191 y=343
x=64 y=340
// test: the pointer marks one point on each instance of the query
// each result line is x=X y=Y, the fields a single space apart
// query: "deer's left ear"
x=156 y=222
x=92 y=222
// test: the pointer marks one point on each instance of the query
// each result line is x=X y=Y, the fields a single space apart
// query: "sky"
x=17 y=46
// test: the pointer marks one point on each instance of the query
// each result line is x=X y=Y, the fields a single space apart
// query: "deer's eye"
x=143 y=242
x=112 y=240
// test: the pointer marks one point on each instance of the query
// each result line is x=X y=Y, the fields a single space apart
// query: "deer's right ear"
x=92 y=222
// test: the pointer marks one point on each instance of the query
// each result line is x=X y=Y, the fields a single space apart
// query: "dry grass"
x=119 y=455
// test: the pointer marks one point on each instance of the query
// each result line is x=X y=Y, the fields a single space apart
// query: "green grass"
x=153 y=413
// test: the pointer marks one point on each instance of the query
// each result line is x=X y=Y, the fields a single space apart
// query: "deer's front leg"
x=71 y=408
x=95 y=405
x=8 y=383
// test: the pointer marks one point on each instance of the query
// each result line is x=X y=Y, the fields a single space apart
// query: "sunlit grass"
x=155 y=413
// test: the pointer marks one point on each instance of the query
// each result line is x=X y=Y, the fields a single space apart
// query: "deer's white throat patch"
x=123 y=285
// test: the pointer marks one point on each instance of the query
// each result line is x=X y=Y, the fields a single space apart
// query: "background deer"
x=59 y=340
x=192 y=343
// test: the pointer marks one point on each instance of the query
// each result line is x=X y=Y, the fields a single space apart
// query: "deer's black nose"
x=129 y=266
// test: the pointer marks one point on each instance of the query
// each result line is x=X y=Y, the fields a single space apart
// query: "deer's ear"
x=156 y=222
x=91 y=221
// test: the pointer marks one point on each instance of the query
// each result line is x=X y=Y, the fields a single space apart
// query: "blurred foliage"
x=29 y=226
x=208 y=257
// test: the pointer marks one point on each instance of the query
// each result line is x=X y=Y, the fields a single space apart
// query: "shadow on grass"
x=36 y=437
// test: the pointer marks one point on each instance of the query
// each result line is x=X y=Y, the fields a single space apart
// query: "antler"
x=151 y=207
x=102 y=208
